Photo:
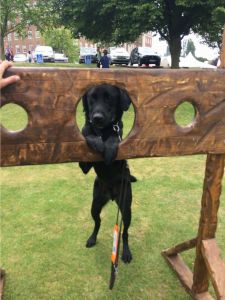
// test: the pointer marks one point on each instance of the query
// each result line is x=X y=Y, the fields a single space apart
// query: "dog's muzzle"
x=98 y=120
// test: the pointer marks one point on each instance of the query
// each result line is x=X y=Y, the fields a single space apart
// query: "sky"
x=202 y=50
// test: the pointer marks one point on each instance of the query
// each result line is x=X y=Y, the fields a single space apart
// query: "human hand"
x=4 y=65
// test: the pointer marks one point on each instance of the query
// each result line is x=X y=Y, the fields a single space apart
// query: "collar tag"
x=116 y=128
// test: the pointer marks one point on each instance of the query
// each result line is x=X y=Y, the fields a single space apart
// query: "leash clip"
x=116 y=128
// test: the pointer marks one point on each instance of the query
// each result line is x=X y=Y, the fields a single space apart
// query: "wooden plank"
x=181 y=247
x=50 y=96
x=208 y=220
x=215 y=265
x=185 y=275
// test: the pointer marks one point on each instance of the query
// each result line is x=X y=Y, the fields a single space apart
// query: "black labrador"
x=104 y=106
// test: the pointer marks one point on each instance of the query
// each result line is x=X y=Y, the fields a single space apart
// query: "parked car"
x=60 y=57
x=144 y=55
x=118 y=56
x=46 y=51
x=20 y=58
x=87 y=51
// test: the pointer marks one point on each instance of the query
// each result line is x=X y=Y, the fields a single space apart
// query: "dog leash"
x=117 y=230
x=118 y=227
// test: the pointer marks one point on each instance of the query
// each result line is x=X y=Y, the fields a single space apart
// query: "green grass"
x=45 y=221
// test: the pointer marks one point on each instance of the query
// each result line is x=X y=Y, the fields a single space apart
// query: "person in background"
x=105 y=59
x=4 y=65
x=11 y=54
x=7 y=53
x=29 y=56
x=99 y=55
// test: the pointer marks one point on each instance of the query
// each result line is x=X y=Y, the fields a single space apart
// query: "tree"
x=18 y=15
x=62 y=41
x=121 y=21
x=211 y=31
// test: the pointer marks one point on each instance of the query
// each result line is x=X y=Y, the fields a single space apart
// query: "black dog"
x=104 y=106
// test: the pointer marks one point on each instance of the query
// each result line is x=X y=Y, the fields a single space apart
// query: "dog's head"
x=104 y=105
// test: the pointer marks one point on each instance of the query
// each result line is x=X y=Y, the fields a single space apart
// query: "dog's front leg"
x=111 y=149
x=99 y=200
x=95 y=142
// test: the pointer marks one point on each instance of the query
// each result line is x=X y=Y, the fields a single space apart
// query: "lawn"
x=45 y=221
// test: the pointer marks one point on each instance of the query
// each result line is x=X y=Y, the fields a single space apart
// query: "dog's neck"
x=107 y=131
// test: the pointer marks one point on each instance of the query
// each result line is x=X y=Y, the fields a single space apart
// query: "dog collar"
x=116 y=128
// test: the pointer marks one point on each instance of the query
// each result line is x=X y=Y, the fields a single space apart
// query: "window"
x=24 y=49
x=29 y=34
x=17 y=49
x=9 y=37
x=31 y=47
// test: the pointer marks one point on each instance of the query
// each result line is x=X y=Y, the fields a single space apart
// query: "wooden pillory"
x=50 y=97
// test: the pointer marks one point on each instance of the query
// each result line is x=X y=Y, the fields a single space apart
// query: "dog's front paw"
x=126 y=254
x=91 y=241
x=95 y=143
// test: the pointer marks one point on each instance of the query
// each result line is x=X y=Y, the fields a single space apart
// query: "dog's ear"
x=124 y=100
x=85 y=166
x=85 y=106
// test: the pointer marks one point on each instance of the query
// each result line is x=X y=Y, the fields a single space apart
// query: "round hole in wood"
x=185 y=114
x=13 y=117
x=128 y=116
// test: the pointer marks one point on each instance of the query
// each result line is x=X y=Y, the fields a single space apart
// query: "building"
x=145 y=40
x=33 y=39
x=23 y=45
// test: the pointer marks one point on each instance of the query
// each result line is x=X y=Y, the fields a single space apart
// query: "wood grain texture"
x=215 y=265
x=50 y=97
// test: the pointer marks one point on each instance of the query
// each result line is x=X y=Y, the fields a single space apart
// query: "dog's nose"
x=98 y=118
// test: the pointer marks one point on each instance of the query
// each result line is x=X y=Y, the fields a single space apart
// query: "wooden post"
x=208 y=220
x=222 y=54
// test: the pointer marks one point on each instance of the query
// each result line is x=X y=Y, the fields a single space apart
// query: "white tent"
x=190 y=61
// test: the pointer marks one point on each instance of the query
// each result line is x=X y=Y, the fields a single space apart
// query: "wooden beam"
x=215 y=266
x=50 y=97
x=184 y=275
x=181 y=247
x=208 y=220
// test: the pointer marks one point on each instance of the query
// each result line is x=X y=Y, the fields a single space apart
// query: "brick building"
x=23 y=45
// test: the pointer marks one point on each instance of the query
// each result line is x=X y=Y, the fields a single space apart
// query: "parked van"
x=47 y=53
